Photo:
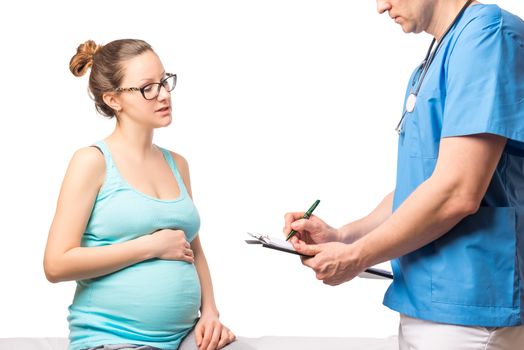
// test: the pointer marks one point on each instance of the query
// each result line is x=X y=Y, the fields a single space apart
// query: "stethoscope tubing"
x=424 y=67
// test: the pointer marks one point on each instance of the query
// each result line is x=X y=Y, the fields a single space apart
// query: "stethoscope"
x=418 y=79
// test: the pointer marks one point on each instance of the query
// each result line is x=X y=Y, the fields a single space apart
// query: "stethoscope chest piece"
x=410 y=103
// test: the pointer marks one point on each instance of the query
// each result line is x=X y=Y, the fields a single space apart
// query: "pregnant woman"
x=125 y=226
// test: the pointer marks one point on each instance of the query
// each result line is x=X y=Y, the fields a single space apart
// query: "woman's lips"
x=164 y=110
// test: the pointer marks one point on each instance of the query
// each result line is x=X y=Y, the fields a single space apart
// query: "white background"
x=279 y=102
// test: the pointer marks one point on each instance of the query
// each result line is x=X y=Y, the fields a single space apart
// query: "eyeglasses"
x=152 y=90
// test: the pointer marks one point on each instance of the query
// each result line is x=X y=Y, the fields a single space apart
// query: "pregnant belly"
x=156 y=298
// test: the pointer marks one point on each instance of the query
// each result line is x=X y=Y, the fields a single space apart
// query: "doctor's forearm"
x=359 y=228
x=428 y=213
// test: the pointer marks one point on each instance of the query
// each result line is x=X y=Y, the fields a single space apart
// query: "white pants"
x=416 y=334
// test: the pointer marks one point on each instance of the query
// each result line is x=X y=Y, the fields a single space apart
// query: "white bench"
x=262 y=343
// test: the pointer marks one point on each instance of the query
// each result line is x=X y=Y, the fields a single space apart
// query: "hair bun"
x=83 y=59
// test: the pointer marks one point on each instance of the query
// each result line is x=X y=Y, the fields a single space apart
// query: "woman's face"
x=140 y=71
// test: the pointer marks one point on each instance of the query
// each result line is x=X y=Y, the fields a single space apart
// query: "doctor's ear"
x=112 y=101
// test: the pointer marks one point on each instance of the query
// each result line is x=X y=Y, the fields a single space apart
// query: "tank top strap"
x=174 y=169
x=112 y=178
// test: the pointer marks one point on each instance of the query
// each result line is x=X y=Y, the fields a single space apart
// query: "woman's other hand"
x=211 y=334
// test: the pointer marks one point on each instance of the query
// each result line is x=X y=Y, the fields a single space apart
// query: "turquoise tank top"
x=154 y=302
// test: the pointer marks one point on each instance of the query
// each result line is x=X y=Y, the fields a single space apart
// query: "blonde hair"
x=107 y=68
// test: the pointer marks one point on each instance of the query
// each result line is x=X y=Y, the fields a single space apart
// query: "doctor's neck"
x=444 y=12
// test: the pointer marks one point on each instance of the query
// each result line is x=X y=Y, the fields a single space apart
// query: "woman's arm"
x=208 y=299
x=210 y=334
x=208 y=305
x=65 y=259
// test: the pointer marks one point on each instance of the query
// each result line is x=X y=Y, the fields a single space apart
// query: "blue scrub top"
x=473 y=275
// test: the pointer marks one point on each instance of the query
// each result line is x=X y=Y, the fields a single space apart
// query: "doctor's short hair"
x=107 y=66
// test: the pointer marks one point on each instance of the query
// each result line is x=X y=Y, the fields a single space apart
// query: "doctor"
x=454 y=225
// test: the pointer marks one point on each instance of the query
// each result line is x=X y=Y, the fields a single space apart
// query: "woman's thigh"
x=416 y=334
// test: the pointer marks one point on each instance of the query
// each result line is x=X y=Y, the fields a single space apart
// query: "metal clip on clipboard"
x=284 y=246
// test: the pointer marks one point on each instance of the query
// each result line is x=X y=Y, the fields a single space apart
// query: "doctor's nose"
x=383 y=6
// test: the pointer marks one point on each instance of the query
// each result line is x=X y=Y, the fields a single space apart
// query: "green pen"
x=307 y=214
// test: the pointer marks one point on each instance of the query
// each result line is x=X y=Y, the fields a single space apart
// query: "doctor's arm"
x=315 y=230
x=461 y=177
x=359 y=228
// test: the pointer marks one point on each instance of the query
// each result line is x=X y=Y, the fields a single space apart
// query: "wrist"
x=147 y=247
x=209 y=311
x=337 y=234
x=360 y=255
x=351 y=232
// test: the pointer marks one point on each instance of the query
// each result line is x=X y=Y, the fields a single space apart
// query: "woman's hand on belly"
x=211 y=334
x=170 y=244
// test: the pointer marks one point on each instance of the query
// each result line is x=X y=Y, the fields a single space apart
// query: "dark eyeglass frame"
x=159 y=85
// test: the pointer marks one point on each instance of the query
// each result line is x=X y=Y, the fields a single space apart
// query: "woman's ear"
x=112 y=101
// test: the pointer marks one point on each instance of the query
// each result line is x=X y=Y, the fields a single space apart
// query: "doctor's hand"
x=170 y=244
x=311 y=231
x=211 y=334
x=334 y=263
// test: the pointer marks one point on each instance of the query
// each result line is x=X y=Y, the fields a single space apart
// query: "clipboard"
x=273 y=243
x=284 y=246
